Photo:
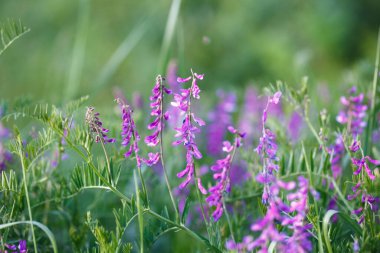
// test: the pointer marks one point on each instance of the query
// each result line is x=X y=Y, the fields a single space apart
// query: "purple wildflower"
x=278 y=212
x=220 y=119
x=130 y=137
x=222 y=169
x=338 y=151
x=241 y=246
x=186 y=133
x=353 y=113
x=299 y=240
x=362 y=165
x=267 y=150
x=96 y=126
x=157 y=110
x=20 y=248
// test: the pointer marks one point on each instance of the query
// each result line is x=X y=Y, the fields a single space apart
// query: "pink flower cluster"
x=222 y=170
x=186 y=133
x=157 y=110
x=366 y=198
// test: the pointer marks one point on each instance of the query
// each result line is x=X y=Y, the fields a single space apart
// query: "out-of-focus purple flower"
x=338 y=151
x=267 y=150
x=222 y=171
x=241 y=246
x=96 y=126
x=4 y=132
x=157 y=110
x=137 y=101
x=20 y=248
x=356 y=247
x=295 y=126
x=220 y=118
x=333 y=205
x=353 y=113
x=171 y=75
x=250 y=113
x=5 y=157
x=130 y=137
x=186 y=133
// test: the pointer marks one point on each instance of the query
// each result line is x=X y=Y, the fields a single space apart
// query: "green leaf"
x=185 y=210
x=326 y=221
x=11 y=31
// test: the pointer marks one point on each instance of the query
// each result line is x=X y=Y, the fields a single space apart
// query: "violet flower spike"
x=267 y=150
x=353 y=113
x=96 y=126
x=222 y=170
x=186 y=133
x=278 y=213
x=157 y=110
x=130 y=137
x=367 y=200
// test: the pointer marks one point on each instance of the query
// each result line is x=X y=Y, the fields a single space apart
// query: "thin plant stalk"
x=21 y=155
x=320 y=244
x=140 y=214
x=162 y=157
x=372 y=116
x=92 y=166
x=166 y=175
x=107 y=161
x=223 y=198
x=228 y=220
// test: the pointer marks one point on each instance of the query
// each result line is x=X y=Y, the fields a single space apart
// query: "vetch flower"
x=292 y=217
x=361 y=170
x=186 y=133
x=157 y=110
x=96 y=126
x=222 y=171
x=20 y=248
x=267 y=150
x=130 y=137
x=353 y=113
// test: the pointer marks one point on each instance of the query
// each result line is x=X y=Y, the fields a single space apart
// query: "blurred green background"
x=68 y=50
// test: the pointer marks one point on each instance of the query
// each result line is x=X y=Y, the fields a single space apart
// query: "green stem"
x=320 y=244
x=143 y=186
x=182 y=227
x=372 y=116
x=228 y=220
x=108 y=163
x=201 y=205
x=92 y=166
x=20 y=153
x=140 y=214
x=162 y=154
x=312 y=129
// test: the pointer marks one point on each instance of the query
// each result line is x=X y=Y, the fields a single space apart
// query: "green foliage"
x=108 y=241
x=10 y=31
